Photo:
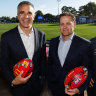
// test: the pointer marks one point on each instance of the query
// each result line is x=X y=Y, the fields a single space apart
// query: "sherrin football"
x=76 y=77
x=24 y=65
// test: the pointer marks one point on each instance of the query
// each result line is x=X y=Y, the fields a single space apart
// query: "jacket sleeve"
x=5 y=59
x=43 y=61
x=87 y=62
x=93 y=42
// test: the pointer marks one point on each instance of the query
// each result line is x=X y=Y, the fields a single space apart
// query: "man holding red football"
x=67 y=52
x=24 y=41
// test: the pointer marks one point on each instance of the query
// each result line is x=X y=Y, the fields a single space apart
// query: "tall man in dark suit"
x=66 y=52
x=24 y=41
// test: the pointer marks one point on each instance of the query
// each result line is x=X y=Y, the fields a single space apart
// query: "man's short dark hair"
x=67 y=14
x=25 y=2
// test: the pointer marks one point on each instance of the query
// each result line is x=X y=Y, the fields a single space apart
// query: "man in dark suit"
x=66 y=52
x=91 y=90
x=24 y=41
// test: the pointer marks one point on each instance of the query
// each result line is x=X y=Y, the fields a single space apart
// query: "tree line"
x=86 y=10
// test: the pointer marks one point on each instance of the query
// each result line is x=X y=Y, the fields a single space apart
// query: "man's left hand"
x=71 y=91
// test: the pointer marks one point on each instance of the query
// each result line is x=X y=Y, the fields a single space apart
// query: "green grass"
x=87 y=31
x=6 y=27
x=51 y=30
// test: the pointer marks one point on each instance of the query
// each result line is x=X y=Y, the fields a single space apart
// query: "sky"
x=9 y=7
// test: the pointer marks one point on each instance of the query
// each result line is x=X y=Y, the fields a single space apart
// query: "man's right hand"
x=20 y=80
x=91 y=83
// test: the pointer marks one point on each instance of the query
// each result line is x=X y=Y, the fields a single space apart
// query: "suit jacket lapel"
x=71 y=51
x=56 y=44
x=19 y=43
x=36 y=41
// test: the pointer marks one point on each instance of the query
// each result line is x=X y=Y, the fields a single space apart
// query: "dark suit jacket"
x=79 y=55
x=93 y=42
x=92 y=90
x=13 y=51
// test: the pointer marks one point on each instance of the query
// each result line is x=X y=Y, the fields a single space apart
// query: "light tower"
x=58 y=6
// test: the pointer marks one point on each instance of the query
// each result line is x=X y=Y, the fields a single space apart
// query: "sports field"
x=87 y=31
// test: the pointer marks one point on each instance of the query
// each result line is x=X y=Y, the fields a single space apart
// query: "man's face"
x=25 y=16
x=67 y=26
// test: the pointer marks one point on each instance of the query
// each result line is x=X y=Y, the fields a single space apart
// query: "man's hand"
x=20 y=80
x=71 y=91
x=91 y=83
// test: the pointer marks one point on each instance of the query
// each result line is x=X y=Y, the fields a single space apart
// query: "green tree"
x=69 y=9
x=38 y=13
x=48 y=17
x=5 y=18
x=88 y=9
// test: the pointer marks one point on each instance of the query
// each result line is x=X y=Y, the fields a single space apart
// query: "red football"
x=24 y=65
x=76 y=77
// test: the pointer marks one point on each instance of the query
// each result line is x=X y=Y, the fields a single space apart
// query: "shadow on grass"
x=88 y=24
x=92 y=24
x=55 y=24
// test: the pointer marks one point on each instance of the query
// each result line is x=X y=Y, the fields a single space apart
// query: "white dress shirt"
x=28 y=42
x=63 y=48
